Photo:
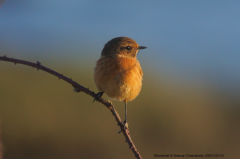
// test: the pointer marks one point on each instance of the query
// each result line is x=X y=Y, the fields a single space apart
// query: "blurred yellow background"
x=43 y=118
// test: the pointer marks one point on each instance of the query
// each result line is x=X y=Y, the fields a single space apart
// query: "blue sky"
x=193 y=39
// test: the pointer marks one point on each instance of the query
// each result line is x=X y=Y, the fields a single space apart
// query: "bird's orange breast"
x=120 y=78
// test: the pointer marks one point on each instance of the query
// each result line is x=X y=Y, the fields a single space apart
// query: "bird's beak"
x=142 y=47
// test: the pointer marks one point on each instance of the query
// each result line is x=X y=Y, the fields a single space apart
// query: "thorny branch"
x=80 y=88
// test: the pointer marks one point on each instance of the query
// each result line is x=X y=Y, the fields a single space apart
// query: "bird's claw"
x=99 y=95
x=125 y=125
x=76 y=90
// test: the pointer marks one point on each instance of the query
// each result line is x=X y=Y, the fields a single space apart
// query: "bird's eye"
x=128 y=47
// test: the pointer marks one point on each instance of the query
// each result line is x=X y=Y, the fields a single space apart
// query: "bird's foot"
x=99 y=95
x=76 y=90
x=125 y=126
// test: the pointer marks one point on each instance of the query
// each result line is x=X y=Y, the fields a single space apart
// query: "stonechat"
x=118 y=72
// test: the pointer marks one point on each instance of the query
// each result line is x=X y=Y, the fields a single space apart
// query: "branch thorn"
x=38 y=63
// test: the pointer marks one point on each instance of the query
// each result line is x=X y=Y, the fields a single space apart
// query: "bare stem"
x=80 y=88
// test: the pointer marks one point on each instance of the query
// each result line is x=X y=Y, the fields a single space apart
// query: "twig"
x=80 y=88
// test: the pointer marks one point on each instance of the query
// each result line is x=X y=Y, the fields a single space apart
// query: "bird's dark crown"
x=121 y=46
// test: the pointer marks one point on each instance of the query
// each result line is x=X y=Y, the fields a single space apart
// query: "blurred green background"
x=189 y=103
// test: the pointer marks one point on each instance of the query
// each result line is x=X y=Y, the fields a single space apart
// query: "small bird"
x=118 y=72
